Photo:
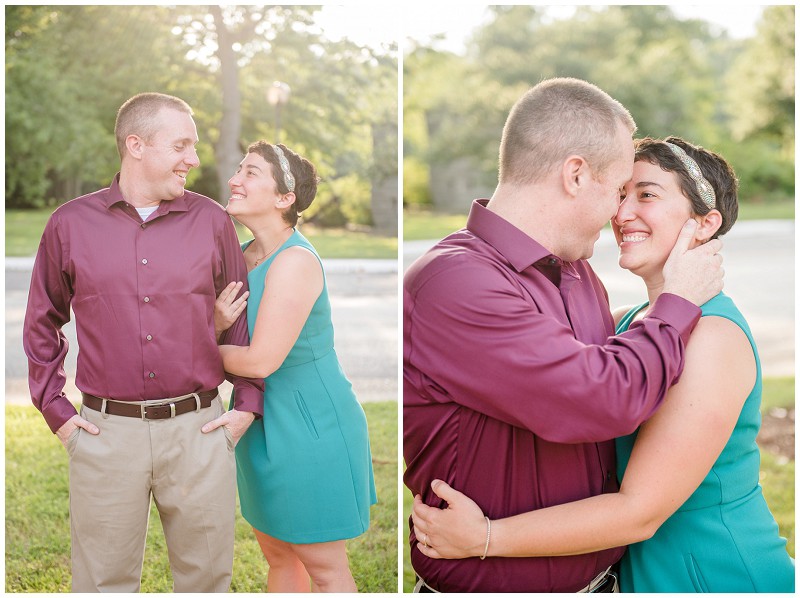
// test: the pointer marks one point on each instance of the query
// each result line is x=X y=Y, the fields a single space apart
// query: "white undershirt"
x=144 y=213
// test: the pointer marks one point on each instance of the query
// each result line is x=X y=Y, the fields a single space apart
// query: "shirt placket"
x=148 y=299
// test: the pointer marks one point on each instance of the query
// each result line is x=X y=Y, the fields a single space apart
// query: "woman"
x=690 y=504
x=304 y=470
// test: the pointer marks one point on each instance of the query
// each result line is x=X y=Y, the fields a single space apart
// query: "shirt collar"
x=114 y=196
x=518 y=248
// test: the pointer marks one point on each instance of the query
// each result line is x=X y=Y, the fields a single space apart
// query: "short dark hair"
x=137 y=116
x=716 y=170
x=305 y=177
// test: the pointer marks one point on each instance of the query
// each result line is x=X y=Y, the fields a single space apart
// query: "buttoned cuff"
x=58 y=412
x=677 y=312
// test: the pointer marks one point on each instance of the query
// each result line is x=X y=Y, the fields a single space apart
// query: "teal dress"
x=304 y=471
x=723 y=538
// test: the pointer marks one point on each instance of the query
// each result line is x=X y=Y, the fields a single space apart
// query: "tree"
x=227 y=39
x=67 y=72
x=669 y=72
x=69 y=68
x=761 y=95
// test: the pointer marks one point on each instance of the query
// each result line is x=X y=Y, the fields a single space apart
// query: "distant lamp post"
x=278 y=95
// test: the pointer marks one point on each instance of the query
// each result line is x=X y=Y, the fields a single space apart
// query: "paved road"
x=365 y=316
x=759 y=276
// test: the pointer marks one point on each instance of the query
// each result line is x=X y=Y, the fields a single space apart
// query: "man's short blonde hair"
x=137 y=116
x=558 y=118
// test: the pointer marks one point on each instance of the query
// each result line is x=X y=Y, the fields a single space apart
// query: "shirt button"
x=147 y=299
x=143 y=225
x=149 y=337
x=144 y=261
x=152 y=375
x=552 y=261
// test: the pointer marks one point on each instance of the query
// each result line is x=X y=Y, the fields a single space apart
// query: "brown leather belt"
x=193 y=402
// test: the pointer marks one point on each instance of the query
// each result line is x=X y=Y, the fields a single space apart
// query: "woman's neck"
x=268 y=236
x=654 y=290
x=654 y=281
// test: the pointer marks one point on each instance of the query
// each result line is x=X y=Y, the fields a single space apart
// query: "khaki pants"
x=190 y=475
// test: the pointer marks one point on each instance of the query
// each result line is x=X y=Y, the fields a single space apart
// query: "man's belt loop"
x=103 y=409
x=197 y=401
x=141 y=406
x=172 y=409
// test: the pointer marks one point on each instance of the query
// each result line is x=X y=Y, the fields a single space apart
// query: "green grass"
x=423 y=224
x=767 y=211
x=778 y=392
x=37 y=516
x=777 y=479
x=341 y=243
x=427 y=224
x=24 y=229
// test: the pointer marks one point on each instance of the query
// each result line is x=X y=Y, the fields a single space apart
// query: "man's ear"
x=708 y=225
x=135 y=146
x=575 y=173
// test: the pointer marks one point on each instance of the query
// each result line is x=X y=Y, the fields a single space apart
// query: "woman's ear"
x=708 y=225
x=284 y=201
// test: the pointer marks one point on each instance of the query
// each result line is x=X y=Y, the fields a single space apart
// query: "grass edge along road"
x=424 y=224
x=777 y=479
x=37 y=515
x=24 y=229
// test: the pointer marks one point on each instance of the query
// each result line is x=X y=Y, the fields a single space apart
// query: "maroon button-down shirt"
x=514 y=387
x=143 y=297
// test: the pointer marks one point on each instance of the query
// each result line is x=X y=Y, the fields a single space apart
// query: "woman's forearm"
x=588 y=525
x=243 y=361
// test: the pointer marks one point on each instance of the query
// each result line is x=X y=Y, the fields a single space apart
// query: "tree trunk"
x=227 y=151
x=455 y=181
x=384 y=177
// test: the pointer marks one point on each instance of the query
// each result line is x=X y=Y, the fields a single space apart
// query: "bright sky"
x=370 y=24
x=377 y=22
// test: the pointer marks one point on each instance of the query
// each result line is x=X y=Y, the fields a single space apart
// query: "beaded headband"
x=288 y=178
x=704 y=188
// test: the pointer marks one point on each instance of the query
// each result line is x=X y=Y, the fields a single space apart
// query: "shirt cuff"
x=247 y=398
x=677 y=312
x=58 y=412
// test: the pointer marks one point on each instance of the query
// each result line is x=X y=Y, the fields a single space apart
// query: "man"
x=514 y=386
x=140 y=263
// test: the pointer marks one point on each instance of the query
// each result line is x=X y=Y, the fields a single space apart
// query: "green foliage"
x=67 y=72
x=765 y=175
x=69 y=68
x=676 y=76
x=346 y=199
x=37 y=516
x=761 y=92
x=416 y=181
